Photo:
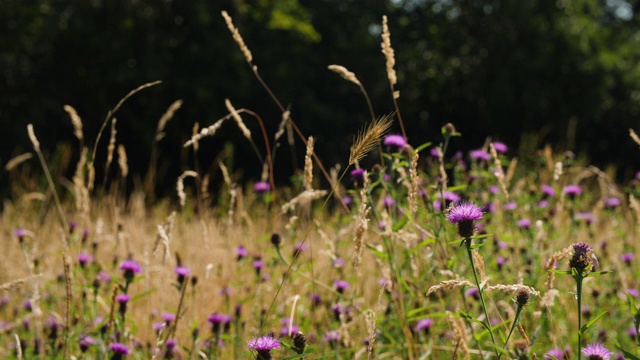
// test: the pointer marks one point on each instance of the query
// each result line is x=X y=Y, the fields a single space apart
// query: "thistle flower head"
x=397 y=141
x=119 y=349
x=611 y=202
x=480 y=155
x=263 y=346
x=547 y=191
x=556 y=353
x=572 y=190
x=261 y=187
x=580 y=259
x=500 y=147
x=596 y=351
x=424 y=325
x=130 y=268
x=464 y=214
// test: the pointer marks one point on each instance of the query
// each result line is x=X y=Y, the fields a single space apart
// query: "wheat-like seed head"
x=448 y=285
x=238 y=119
x=122 y=160
x=180 y=185
x=369 y=138
x=237 y=37
x=208 y=131
x=388 y=52
x=308 y=165
x=168 y=115
x=76 y=121
x=303 y=198
x=634 y=136
x=15 y=161
x=499 y=173
x=112 y=142
x=346 y=74
x=513 y=288
x=33 y=138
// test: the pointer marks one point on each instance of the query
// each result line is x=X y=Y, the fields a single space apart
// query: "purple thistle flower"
x=500 y=147
x=547 y=191
x=123 y=298
x=472 y=292
x=339 y=262
x=27 y=305
x=434 y=152
x=182 y=271
x=357 y=174
x=480 y=154
x=119 y=350
x=464 y=214
x=596 y=351
x=168 y=317
x=171 y=344
x=299 y=248
x=258 y=264
x=581 y=248
x=397 y=141
x=424 y=325
x=19 y=233
x=261 y=187
x=557 y=353
x=633 y=292
x=493 y=189
x=157 y=326
x=86 y=342
x=627 y=258
x=611 y=202
x=572 y=190
x=332 y=336
x=341 y=286
x=524 y=223
x=388 y=201
x=510 y=206
x=263 y=346
x=347 y=200
x=241 y=252
x=84 y=258
x=219 y=321
x=500 y=261
x=316 y=300
x=543 y=204
x=130 y=268
x=587 y=217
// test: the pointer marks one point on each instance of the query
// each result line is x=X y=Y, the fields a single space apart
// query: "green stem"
x=579 y=298
x=484 y=306
x=513 y=326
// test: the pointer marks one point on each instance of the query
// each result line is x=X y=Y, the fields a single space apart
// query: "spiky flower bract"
x=263 y=346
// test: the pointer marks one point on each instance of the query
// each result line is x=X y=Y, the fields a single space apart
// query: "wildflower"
x=341 y=286
x=86 y=342
x=633 y=292
x=388 y=201
x=580 y=260
x=449 y=197
x=524 y=223
x=397 y=141
x=543 y=204
x=424 y=325
x=316 y=300
x=587 y=217
x=556 y=353
x=357 y=174
x=510 y=206
x=596 y=351
x=332 y=337
x=493 y=189
x=263 y=346
x=83 y=259
x=19 y=233
x=500 y=147
x=480 y=154
x=339 y=262
x=472 y=292
x=299 y=342
x=572 y=190
x=298 y=248
x=261 y=187
x=347 y=200
x=182 y=272
x=168 y=317
x=130 y=268
x=547 y=191
x=627 y=258
x=123 y=299
x=119 y=350
x=464 y=214
x=241 y=252
x=500 y=261
x=434 y=152
x=611 y=202
x=219 y=322
x=257 y=264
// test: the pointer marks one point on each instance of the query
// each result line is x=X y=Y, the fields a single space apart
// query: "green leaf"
x=482 y=284
x=140 y=296
x=586 y=326
x=380 y=254
x=422 y=244
x=400 y=224
x=422 y=147
x=566 y=272
x=478 y=245
x=598 y=273
x=471 y=318
x=483 y=236
x=632 y=305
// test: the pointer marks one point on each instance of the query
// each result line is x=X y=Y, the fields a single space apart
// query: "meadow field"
x=403 y=251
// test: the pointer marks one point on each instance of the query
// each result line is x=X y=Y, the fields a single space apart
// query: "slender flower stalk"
x=522 y=299
x=464 y=215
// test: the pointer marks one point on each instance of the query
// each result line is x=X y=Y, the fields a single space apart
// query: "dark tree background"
x=526 y=72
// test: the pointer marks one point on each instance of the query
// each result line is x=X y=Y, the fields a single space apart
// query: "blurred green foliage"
x=505 y=69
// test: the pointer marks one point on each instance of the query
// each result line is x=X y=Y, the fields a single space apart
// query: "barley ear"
x=369 y=138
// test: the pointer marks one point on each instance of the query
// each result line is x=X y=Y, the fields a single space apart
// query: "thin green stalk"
x=484 y=307
x=513 y=325
x=579 y=298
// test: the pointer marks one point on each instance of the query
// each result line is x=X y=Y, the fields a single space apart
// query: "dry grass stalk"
x=303 y=198
x=208 y=131
x=112 y=144
x=557 y=171
x=479 y=263
x=265 y=172
x=448 y=285
x=634 y=136
x=549 y=298
x=168 y=115
x=551 y=264
x=179 y=312
x=122 y=160
x=635 y=206
x=369 y=138
x=511 y=170
x=233 y=194
x=459 y=331
x=15 y=284
x=68 y=298
x=18 y=347
x=194 y=132
x=361 y=223
x=444 y=178
x=513 y=288
x=498 y=172
x=290 y=138
x=17 y=160
x=308 y=165
x=180 y=185
x=81 y=193
x=47 y=173
x=292 y=314
x=75 y=121
x=388 y=52
x=346 y=74
x=111 y=322
x=415 y=183
x=237 y=37
x=281 y=126
x=245 y=131
x=371 y=323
